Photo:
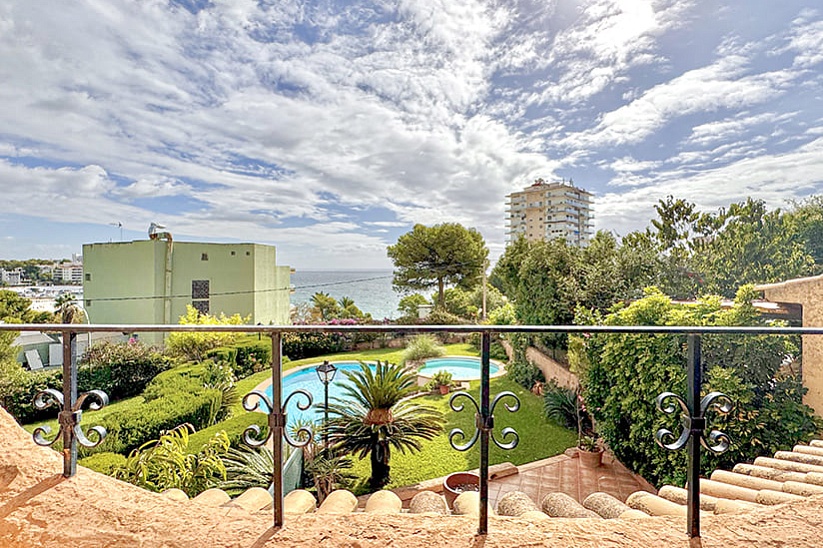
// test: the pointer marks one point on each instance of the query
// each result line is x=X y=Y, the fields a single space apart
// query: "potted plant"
x=442 y=380
x=589 y=451
x=588 y=448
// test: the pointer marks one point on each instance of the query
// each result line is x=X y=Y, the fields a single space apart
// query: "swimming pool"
x=307 y=379
x=461 y=368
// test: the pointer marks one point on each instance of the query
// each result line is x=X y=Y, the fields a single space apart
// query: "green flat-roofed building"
x=152 y=281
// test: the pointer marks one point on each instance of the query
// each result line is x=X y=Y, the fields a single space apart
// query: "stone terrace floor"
x=563 y=473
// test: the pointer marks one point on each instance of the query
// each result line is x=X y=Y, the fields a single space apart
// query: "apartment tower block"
x=544 y=211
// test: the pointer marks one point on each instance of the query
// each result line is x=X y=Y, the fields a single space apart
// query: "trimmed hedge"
x=129 y=429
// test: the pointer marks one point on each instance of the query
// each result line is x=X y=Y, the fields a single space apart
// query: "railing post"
x=694 y=374
x=486 y=419
x=70 y=398
x=693 y=415
x=277 y=424
x=484 y=428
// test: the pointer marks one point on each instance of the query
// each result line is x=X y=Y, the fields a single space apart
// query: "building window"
x=201 y=306
x=199 y=289
x=248 y=253
x=88 y=276
x=87 y=303
x=204 y=257
x=233 y=253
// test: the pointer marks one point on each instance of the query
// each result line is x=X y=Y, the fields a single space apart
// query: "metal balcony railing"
x=691 y=409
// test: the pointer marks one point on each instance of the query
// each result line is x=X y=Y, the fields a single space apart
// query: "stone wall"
x=808 y=293
x=551 y=369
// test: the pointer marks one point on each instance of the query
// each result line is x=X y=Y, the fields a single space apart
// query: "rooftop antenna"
x=119 y=225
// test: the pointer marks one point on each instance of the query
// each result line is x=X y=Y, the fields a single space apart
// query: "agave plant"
x=374 y=416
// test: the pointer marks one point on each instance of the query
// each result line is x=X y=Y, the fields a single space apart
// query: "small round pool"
x=461 y=368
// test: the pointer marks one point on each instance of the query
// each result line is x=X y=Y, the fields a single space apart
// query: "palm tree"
x=67 y=310
x=375 y=416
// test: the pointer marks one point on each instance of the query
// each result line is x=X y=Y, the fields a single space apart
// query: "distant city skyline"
x=329 y=129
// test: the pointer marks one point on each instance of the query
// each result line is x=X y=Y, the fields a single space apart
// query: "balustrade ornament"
x=693 y=425
x=277 y=419
x=484 y=424
x=69 y=419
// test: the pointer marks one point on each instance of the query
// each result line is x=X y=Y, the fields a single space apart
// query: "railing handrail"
x=473 y=328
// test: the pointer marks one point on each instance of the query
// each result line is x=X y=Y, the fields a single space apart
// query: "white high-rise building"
x=544 y=211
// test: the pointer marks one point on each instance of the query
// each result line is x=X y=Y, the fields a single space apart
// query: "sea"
x=371 y=290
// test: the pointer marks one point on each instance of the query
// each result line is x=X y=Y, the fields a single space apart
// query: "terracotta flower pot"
x=459 y=482
x=444 y=389
x=590 y=459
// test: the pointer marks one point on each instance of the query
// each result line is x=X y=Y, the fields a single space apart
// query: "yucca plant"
x=247 y=467
x=374 y=416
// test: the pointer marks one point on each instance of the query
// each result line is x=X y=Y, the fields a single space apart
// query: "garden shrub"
x=105 y=463
x=130 y=428
x=308 y=345
x=18 y=391
x=525 y=373
x=252 y=358
x=624 y=373
x=121 y=370
x=223 y=354
x=194 y=346
x=422 y=347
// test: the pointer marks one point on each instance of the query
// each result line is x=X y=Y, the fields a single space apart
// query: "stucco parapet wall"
x=39 y=507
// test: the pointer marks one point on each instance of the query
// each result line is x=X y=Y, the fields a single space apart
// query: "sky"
x=329 y=128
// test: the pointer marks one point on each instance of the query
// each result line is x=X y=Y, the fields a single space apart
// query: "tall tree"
x=375 y=416
x=437 y=256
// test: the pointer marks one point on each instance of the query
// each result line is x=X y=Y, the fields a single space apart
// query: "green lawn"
x=539 y=439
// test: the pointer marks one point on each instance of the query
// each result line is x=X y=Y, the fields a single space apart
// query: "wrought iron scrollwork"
x=69 y=419
x=693 y=426
x=277 y=419
x=482 y=424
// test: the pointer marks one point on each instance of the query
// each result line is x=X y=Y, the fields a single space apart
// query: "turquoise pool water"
x=307 y=379
x=462 y=369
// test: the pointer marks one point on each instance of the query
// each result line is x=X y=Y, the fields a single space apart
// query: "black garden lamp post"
x=325 y=372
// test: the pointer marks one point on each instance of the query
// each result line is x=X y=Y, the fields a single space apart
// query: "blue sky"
x=329 y=128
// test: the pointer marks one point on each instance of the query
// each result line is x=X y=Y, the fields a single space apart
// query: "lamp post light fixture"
x=325 y=372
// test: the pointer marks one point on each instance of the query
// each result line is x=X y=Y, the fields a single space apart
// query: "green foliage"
x=440 y=378
x=308 y=345
x=525 y=373
x=503 y=315
x=373 y=417
x=194 y=346
x=422 y=347
x=220 y=376
x=326 y=306
x=409 y=304
x=626 y=372
x=15 y=308
x=328 y=471
x=167 y=463
x=437 y=256
x=440 y=316
x=560 y=405
x=247 y=467
x=458 y=302
x=121 y=370
x=18 y=388
x=105 y=463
